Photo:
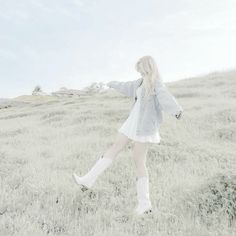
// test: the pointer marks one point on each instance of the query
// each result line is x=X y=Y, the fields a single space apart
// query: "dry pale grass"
x=192 y=172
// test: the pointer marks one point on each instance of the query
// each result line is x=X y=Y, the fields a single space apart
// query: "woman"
x=150 y=96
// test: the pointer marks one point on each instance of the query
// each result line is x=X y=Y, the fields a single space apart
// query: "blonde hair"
x=147 y=66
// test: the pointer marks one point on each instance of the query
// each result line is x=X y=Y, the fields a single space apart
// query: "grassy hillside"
x=192 y=171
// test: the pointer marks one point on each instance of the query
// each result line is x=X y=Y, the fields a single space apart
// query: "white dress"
x=129 y=127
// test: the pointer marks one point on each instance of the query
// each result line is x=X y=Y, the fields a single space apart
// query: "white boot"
x=88 y=180
x=144 y=203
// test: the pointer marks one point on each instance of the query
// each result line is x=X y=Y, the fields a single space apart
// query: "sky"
x=72 y=43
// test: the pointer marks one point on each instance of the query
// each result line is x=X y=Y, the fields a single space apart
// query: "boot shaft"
x=142 y=185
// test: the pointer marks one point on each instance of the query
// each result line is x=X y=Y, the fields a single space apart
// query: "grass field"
x=192 y=171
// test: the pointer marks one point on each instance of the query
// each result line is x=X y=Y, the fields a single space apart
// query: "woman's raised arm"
x=126 y=88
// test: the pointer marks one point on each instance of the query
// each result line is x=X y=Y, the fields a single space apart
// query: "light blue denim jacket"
x=150 y=114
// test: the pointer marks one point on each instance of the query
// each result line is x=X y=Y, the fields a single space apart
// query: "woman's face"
x=138 y=63
x=138 y=67
x=141 y=71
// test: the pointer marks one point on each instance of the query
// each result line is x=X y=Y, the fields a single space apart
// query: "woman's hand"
x=178 y=116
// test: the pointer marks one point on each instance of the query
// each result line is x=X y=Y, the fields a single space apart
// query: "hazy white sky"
x=71 y=43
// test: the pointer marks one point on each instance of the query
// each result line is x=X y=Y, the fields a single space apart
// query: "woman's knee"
x=140 y=164
x=117 y=148
x=120 y=142
x=139 y=155
x=142 y=170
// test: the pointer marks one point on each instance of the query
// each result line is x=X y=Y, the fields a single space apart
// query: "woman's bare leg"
x=117 y=146
x=139 y=155
x=102 y=163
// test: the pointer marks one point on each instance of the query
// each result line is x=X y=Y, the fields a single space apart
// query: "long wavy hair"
x=147 y=67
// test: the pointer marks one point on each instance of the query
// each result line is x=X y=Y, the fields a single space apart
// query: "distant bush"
x=37 y=89
x=219 y=198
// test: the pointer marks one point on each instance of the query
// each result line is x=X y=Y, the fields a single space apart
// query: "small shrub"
x=219 y=197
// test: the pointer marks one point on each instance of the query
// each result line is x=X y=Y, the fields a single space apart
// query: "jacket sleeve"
x=126 y=88
x=167 y=101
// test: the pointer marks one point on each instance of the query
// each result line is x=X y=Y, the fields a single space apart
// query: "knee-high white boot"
x=88 y=180
x=144 y=203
